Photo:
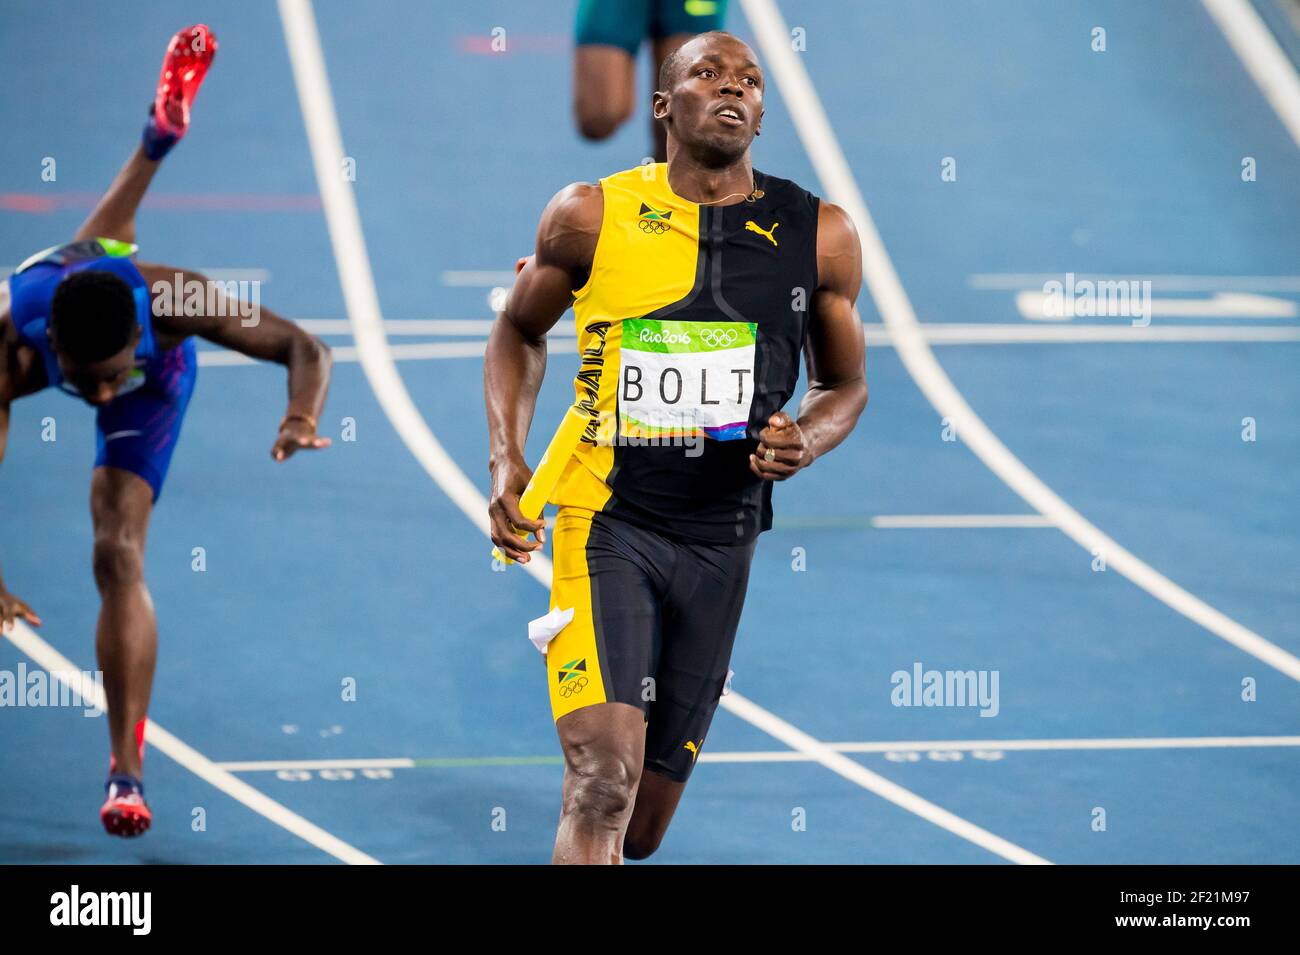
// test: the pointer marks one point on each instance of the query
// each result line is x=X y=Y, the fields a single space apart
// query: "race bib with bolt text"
x=685 y=379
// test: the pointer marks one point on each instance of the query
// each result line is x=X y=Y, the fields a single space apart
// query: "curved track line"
x=909 y=340
x=29 y=642
x=372 y=344
x=1264 y=60
x=353 y=263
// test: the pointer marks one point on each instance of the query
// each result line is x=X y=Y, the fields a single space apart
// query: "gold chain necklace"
x=754 y=195
x=752 y=198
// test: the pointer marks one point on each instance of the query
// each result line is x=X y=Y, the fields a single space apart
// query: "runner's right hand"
x=11 y=608
x=508 y=482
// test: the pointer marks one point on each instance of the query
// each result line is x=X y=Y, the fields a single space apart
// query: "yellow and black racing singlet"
x=690 y=329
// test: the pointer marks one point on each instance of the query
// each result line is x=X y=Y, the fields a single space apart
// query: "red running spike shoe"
x=125 y=813
x=184 y=66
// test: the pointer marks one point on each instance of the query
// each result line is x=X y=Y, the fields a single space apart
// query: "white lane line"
x=1246 y=306
x=423 y=351
x=30 y=643
x=876 y=335
x=855 y=772
x=1074 y=333
x=221 y=357
x=278 y=765
x=363 y=308
x=1017 y=281
x=850 y=522
x=939 y=333
x=216 y=357
x=760 y=756
x=912 y=522
x=408 y=326
x=355 y=275
x=909 y=521
x=895 y=308
x=793 y=756
x=1264 y=60
x=1048 y=745
x=483 y=278
x=218 y=274
x=214 y=272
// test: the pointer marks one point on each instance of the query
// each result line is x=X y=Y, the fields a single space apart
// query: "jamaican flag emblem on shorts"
x=573 y=678
x=654 y=221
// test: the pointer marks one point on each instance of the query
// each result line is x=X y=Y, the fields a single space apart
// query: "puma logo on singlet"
x=752 y=226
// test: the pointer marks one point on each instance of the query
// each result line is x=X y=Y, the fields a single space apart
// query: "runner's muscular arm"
x=4 y=417
x=6 y=379
x=263 y=335
x=836 y=358
x=11 y=607
x=8 y=368
x=515 y=360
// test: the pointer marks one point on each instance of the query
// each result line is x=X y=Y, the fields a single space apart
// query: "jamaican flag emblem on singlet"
x=654 y=221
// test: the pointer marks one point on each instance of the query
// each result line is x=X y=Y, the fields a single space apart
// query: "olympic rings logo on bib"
x=719 y=337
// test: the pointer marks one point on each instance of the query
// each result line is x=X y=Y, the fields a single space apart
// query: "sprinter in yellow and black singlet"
x=696 y=286
x=689 y=328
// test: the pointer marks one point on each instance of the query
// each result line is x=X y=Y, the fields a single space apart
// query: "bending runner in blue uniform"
x=90 y=320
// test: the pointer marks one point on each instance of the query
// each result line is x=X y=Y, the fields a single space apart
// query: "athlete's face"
x=98 y=382
x=715 y=106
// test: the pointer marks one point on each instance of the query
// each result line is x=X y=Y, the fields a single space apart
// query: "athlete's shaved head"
x=710 y=97
x=94 y=333
x=92 y=316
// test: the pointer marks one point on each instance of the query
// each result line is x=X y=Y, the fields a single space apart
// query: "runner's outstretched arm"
x=11 y=607
x=257 y=332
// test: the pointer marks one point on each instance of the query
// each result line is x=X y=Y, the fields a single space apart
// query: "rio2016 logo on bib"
x=685 y=379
